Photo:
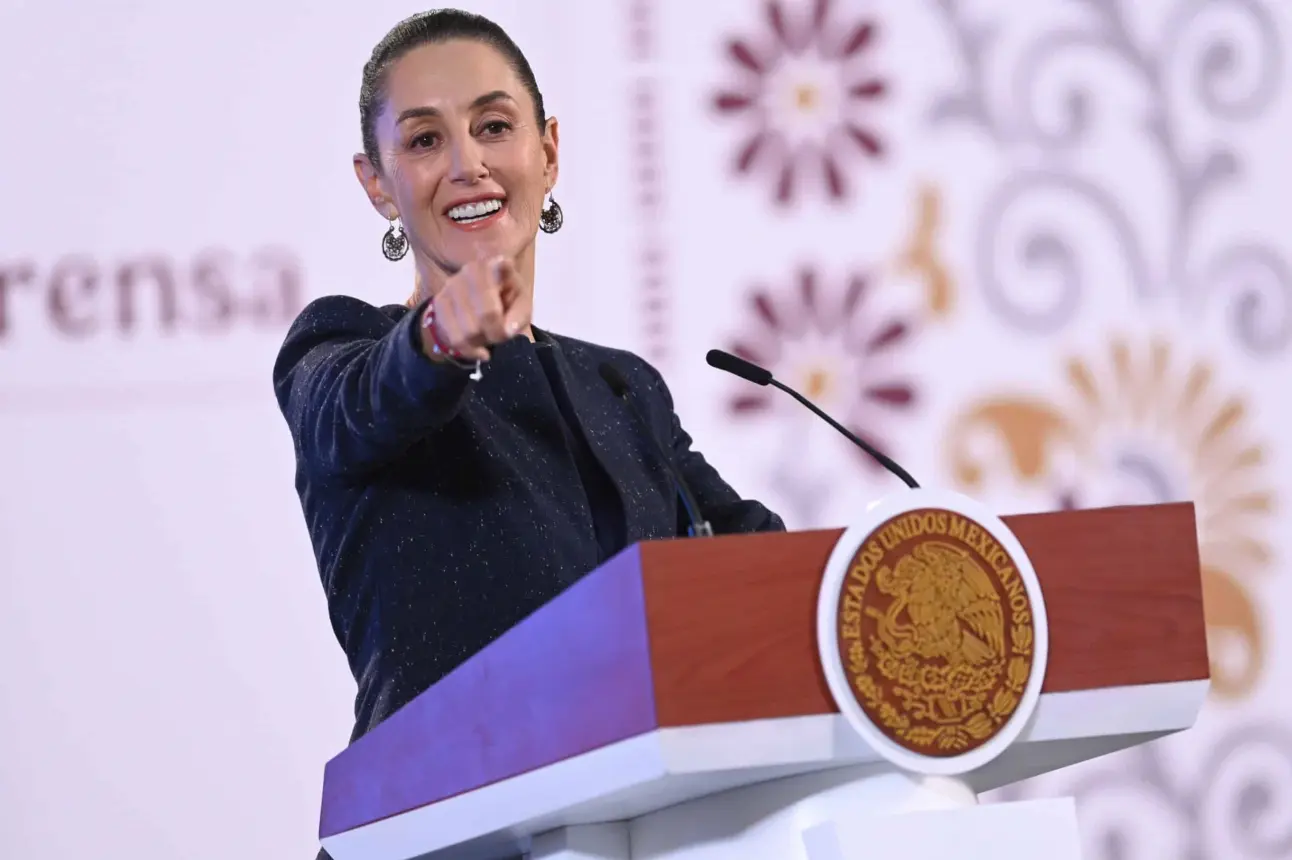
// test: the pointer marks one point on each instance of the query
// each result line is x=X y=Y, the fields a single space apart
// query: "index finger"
x=519 y=312
x=508 y=279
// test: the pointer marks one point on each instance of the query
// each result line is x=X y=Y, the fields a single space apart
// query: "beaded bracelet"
x=452 y=356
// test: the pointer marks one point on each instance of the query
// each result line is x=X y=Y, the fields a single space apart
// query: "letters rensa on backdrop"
x=79 y=296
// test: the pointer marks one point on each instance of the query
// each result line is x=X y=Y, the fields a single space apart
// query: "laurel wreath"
x=898 y=717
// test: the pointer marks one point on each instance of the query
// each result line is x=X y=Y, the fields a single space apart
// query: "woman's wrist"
x=434 y=348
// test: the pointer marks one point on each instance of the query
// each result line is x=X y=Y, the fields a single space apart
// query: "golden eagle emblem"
x=953 y=609
x=935 y=632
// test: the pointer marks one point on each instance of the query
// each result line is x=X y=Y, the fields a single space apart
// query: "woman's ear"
x=374 y=185
x=551 y=151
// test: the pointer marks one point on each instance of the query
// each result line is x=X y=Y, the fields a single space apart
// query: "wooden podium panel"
x=722 y=630
x=1122 y=586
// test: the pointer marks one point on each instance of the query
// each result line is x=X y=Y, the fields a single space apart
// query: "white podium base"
x=857 y=813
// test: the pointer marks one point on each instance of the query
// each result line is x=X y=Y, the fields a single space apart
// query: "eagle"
x=951 y=609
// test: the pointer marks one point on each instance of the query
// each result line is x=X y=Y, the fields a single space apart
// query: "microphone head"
x=613 y=378
x=746 y=370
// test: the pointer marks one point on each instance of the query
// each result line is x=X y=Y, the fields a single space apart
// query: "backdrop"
x=1038 y=252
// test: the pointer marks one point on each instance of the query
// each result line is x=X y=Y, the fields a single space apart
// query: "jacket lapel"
x=619 y=444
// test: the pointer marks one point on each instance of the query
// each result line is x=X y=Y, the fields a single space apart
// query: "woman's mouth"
x=477 y=214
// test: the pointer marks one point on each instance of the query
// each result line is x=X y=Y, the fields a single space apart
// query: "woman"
x=457 y=466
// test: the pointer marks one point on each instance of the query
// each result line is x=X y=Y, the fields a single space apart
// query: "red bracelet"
x=455 y=357
x=428 y=323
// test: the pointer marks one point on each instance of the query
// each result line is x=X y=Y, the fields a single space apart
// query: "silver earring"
x=395 y=243
x=551 y=217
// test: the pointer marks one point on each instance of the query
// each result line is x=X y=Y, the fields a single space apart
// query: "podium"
x=673 y=704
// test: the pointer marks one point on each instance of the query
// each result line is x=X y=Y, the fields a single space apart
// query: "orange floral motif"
x=1144 y=427
x=922 y=256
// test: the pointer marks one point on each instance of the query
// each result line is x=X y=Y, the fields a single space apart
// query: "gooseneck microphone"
x=751 y=372
x=619 y=387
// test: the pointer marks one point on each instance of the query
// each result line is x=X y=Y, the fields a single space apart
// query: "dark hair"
x=434 y=27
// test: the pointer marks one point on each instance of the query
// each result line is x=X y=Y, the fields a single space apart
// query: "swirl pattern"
x=1216 y=80
x=1223 y=59
x=1257 y=281
x=1046 y=246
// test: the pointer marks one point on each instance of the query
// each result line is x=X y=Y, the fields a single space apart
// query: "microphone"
x=619 y=387
x=762 y=376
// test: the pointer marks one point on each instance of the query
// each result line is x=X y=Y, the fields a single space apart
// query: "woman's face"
x=463 y=160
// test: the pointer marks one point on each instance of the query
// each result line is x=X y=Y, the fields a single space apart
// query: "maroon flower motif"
x=825 y=346
x=804 y=93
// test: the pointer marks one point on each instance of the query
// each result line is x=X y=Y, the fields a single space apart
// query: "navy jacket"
x=443 y=510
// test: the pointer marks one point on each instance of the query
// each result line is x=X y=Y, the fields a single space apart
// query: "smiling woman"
x=457 y=466
x=457 y=145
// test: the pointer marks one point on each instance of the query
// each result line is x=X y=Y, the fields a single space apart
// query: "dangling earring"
x=394 y=244
x=551 y=217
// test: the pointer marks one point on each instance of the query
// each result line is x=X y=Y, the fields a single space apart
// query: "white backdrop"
x=1052 y=268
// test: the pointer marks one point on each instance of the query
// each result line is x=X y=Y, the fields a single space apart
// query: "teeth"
x=475 y=211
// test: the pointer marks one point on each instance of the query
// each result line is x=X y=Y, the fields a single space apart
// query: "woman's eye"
x=497 y=126
x=425 y=139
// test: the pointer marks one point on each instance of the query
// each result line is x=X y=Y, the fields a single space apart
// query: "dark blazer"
x=443 y=510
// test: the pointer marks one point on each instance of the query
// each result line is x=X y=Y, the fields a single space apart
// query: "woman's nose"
x=467 y=164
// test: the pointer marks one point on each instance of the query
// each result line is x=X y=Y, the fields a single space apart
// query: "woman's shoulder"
x=346 y=313
x=334 y=320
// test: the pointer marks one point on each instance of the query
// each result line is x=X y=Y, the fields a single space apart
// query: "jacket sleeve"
x=356 y=391
x=719 y=503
